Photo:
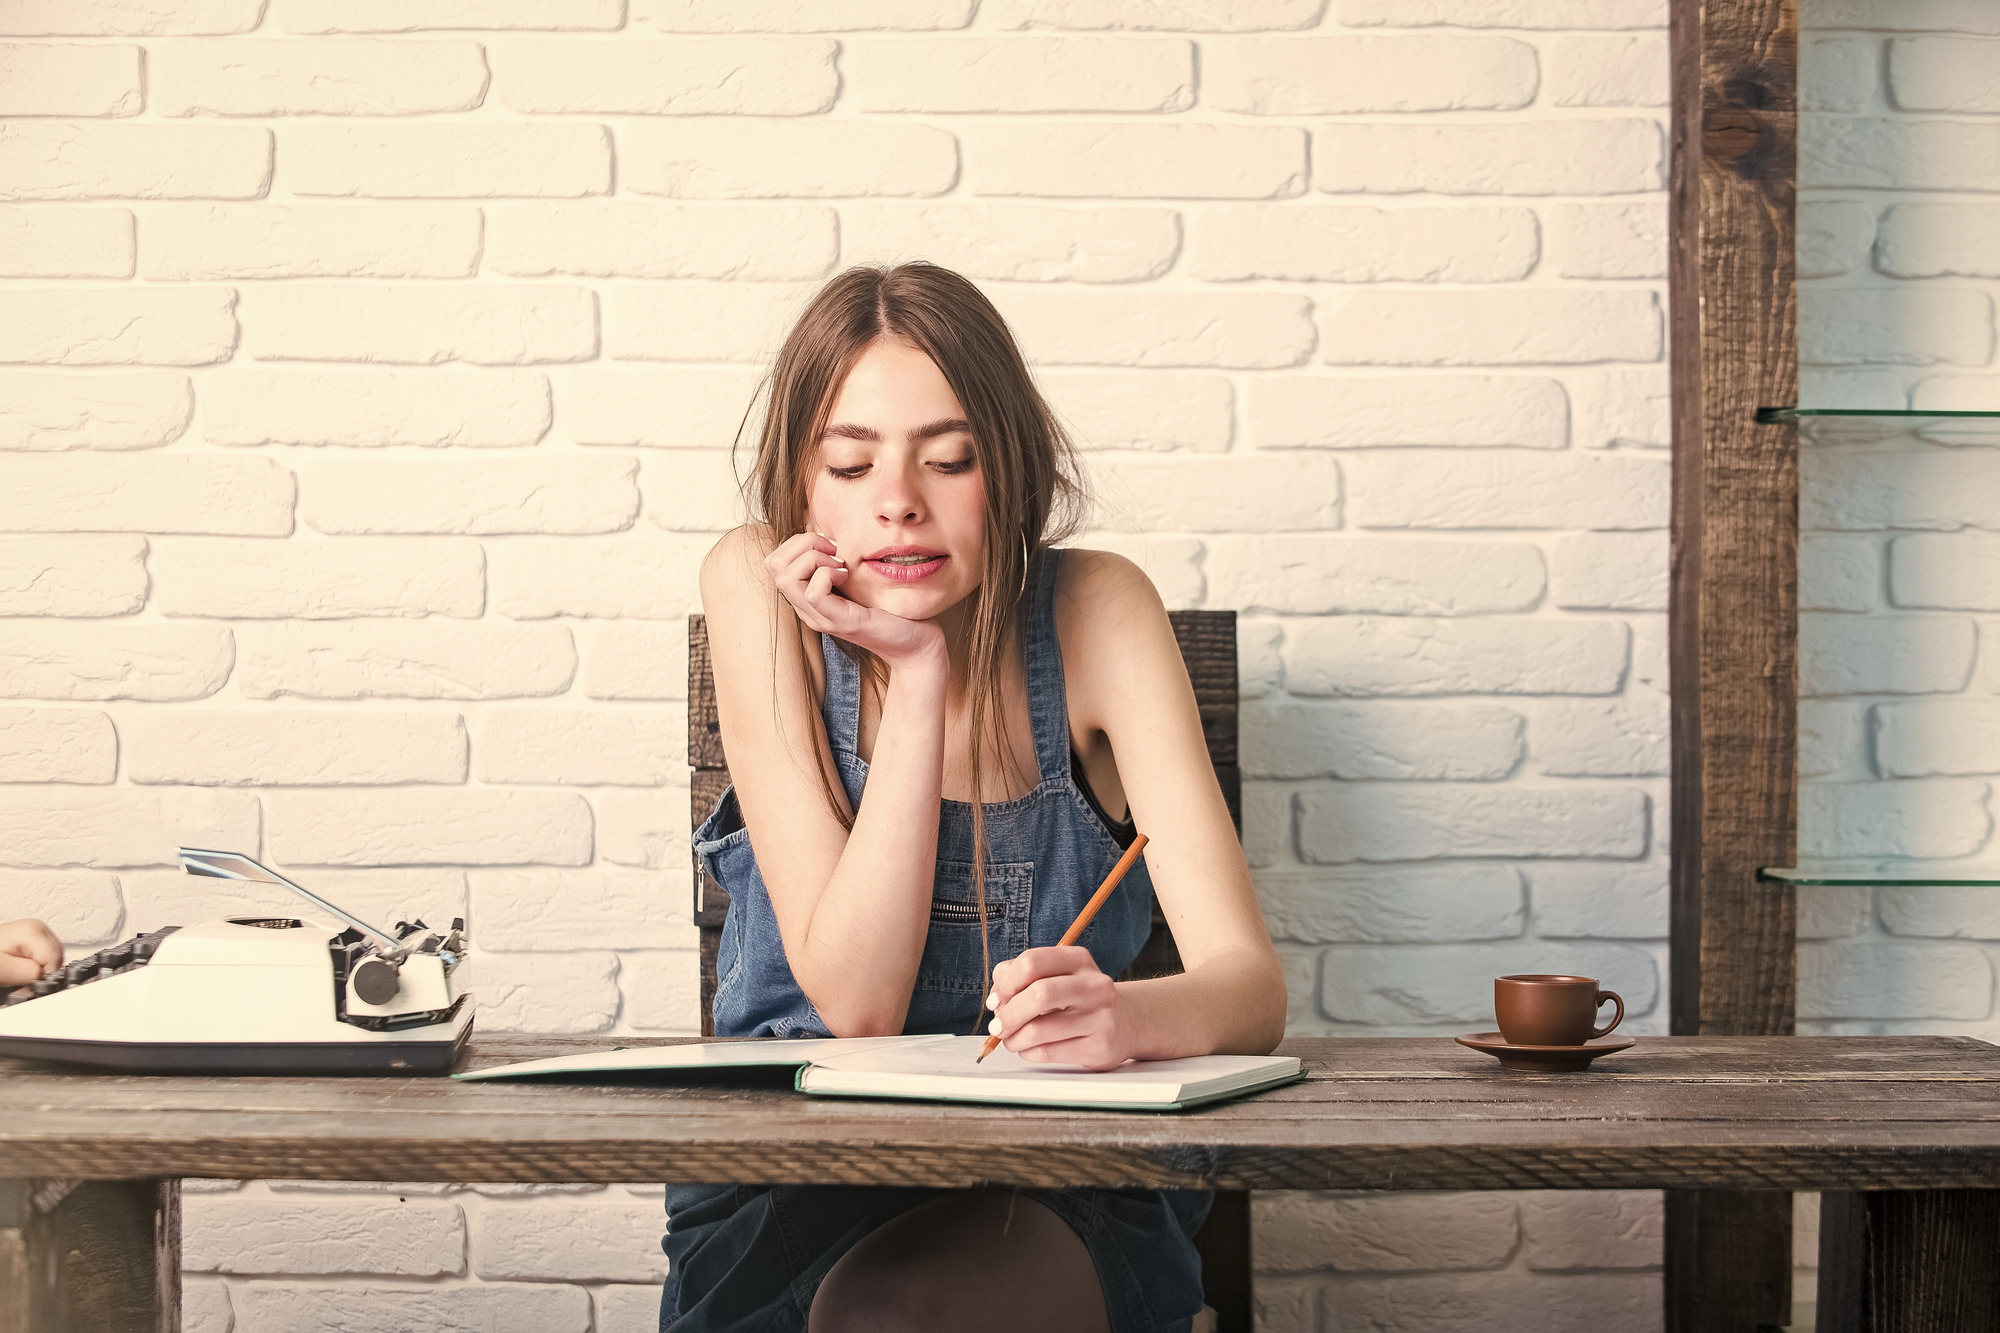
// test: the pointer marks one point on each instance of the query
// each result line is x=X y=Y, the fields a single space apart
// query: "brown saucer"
x=1544 y=1059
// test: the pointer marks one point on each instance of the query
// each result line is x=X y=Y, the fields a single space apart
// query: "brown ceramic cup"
x=1542 y=1009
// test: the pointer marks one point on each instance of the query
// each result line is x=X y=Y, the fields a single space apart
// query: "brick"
x=81 y=906
x=1505 y=489
x=599 y=907
x=51 y=79
x=499 y=495
x=1260 y=666
x=156 y=898
x=205 y=1306
x=1649 y=651
x=52 y=411
x=52 y=160
x=1952 y=74
x=751 y=242
x=1838 y=74
x=1145 y=409
x=647 y=828
x=1936 y=737
x=1015 y=74
x=454 y=160
x=1599 y=901
x=662 y=992
x=1609 y=240
x=322 y=16
x=415 y=827
x=402 y=659
x=658 y=407
x=214 y=748
x=626 y=1308
x=1910 y=15
x=1381 y=741
x=635 y=661
x=1838 y=573
x=1135 y=161
x=1601 y=738
x=1301 y=1230
x=1622 y=409
x=1171 y=564
x=1211 y=493
x=1394 y=904
x=1349 y=575
x=1453 y=983
x=1154 y=15
x=1892 y=327
x=639 y=580
x=356 y=77
x=1398 y=822
x=1879 y=980
x=1832 y=737
x=539 y=992
x=1883 y=154
x=1600 y=70
x=180 y=493
x=1502 y=328
x=1866 y=492
x=1935 y=817
x=1957 y=571
x=56 y=745
x=842 y=16
x=1017 y=242
x=209 y=241
x=697 y=492
x=65 y=242
x=1267 y=824
x=1938 y=912
x=422 y=325
x=128 y=18
x=762 y=76
x=319 y=580
x=776 y=159
x=151 y=662
x=1237 y=330
x=1610 y=571
x=1356 y=656
x=572 y=1240
x=700 y=321
x=1624 y=156
x=1828 y=913
x=120 y=826
x=72 y=576
x=370 y=409
x=1884 y=654
x=391 y=1237
x=634 y=747
x=515 y=1307
x=118 y=326
x=1592 y=1228
x=1503 y=13
x=1322 y=244
x=1474 y=1302
x=1936 y=240
x=1835 y=236
x=1331 y=76
x=1864 y=389
x=1445 y=410
x=1953 y=393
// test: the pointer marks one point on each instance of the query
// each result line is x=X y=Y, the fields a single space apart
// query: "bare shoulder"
x=732 y=573
x=1118 y=646
x=1101 y=595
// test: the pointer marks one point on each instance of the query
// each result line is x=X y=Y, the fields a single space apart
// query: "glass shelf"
x=1864 y=879
x=1854 y=425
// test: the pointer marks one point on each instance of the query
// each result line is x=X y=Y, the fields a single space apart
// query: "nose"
x=900 y=499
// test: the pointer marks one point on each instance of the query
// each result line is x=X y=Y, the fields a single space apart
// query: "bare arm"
x=1126 y=679
x=852 y=906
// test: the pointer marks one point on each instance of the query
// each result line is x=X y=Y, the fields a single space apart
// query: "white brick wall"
x=370 y=367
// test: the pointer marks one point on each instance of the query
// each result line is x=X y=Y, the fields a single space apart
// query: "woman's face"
x=897 y=487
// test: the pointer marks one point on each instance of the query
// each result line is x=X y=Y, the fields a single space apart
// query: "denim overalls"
x=752 y=1258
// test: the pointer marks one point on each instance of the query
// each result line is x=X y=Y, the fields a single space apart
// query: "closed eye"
x=848 y=473
x=953 y=468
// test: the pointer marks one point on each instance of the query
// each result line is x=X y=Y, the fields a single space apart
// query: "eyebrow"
x=928 y=431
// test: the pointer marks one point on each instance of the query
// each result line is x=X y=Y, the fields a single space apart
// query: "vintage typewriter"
x=319 y=993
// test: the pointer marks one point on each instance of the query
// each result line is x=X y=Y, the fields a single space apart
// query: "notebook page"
x=945 y=1067
x=698 y=1055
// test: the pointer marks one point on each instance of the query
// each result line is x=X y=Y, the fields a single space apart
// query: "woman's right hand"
x=806 y=569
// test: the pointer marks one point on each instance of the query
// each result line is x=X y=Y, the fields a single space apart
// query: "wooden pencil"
x=1097 y=900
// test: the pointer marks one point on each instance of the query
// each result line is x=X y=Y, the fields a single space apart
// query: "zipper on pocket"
x=967 y=914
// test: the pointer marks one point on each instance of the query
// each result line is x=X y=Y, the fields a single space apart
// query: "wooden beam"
x=93 y=1256
x=1921 y=1261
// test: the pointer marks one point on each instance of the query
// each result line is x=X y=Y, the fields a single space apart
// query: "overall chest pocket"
x=951 y=962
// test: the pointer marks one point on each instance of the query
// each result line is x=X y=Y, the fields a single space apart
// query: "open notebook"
x=938 y=1069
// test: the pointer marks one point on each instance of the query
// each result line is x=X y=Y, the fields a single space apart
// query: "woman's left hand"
x=1053 y=1006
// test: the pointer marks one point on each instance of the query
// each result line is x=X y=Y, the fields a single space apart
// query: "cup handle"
x=1616 y=999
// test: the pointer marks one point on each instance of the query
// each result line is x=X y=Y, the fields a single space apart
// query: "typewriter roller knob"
x=376 y=981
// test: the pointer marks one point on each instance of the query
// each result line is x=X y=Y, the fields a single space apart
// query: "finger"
x=17 y=971
x=1061 y=1025
x=1048 y=961
x=1050 y=994
x=29 y=938
x=1092 y=1052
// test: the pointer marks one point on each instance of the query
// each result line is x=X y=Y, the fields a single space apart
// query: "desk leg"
x=93 y=1256
x=1728 y=1260
x=1910 y=1261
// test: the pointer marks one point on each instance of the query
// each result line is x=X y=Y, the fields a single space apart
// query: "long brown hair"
x=1034 y=495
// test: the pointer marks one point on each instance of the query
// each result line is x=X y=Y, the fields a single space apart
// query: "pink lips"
x=905 y=571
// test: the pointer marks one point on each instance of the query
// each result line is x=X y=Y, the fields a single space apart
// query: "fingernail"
x=994 y=1027
x=993 y=1000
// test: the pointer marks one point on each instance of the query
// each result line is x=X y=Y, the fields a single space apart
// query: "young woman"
x=897 y=625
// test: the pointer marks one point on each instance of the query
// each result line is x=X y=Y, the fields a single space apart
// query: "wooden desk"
x=1910 y=1125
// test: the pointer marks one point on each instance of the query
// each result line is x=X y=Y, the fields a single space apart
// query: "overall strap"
x=841 y=708
x=1048 y=700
